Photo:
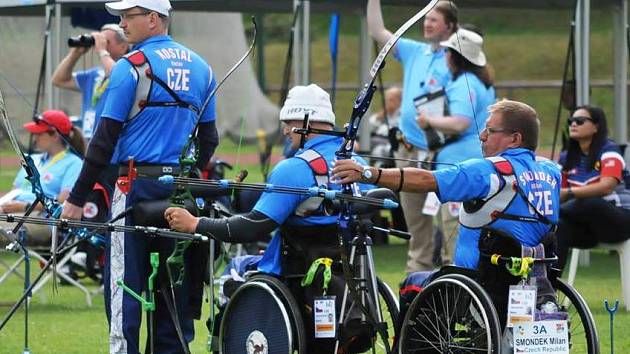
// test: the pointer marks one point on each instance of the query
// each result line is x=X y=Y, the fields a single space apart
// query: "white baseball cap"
x=468 y=44
x=163 y=7
x=310 y=99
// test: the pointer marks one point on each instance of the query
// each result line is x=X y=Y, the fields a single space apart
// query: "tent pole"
x=49 y=57
x=582 y=48
x=620 y=73
x=56 y=52
x=306 y=42
x=297 y=45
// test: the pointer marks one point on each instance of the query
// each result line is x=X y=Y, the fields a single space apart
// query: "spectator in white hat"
x=424 y=72
x=468 y=97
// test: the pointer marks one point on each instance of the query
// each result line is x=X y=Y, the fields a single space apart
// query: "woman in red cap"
x=58 y=163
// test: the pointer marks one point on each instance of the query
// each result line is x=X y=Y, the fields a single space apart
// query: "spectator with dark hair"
x=596 y=200
x=468 y=97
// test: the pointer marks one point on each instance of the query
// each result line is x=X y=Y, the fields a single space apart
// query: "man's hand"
x=71 y=211
x=179 y=219
x=13 y=206
x=100 y=42
x=347 y=171
x=77 y=52
x=423 y=120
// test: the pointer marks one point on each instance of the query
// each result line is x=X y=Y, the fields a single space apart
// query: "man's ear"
x=517 y=139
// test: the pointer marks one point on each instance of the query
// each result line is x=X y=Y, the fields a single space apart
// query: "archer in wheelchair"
x=511 y=207
x=295 y=297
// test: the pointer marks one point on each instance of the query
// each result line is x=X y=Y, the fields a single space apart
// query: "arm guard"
x=249 y=227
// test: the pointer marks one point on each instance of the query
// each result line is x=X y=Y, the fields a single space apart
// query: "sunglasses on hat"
x=578 y=120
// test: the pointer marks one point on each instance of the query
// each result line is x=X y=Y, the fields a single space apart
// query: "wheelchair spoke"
x=421 y=319
x=468 y=349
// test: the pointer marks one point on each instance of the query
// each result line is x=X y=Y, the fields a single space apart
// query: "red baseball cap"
x=50 y=120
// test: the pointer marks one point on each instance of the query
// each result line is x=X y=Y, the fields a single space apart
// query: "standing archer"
x=154 y=103
x=425 y=72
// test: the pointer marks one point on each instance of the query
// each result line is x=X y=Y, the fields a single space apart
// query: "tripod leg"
x=344 y=300
x=373 y=283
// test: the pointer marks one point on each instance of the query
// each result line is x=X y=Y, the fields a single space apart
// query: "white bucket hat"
x=310 y=99
x=163 y=7
x=468 y=44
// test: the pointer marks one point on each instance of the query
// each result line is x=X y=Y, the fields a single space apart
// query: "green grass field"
x=62 y=323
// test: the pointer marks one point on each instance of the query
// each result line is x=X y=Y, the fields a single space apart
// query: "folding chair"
x=41 y=253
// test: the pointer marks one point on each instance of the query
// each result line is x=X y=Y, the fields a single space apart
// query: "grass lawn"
x=62 y=323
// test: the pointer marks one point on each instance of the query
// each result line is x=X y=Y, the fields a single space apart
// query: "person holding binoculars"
x=110 y=44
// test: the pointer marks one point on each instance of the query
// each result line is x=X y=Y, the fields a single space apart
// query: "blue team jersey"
x=467 y=98
x=478 y=178
x=157 y=135
x=93 y=86
x=295 y=172
x=424 y=71
x=57 y=174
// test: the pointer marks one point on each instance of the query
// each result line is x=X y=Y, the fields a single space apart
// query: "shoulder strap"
x=318 y=165
x=140 y=61
x=504 y=167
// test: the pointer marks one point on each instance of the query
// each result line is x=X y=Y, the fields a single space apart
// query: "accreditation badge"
x=431 y=205
x=324 y=317
x=89 y=118
x=521 y=304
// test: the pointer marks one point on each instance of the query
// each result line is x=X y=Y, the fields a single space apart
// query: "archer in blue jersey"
x=305 y=230
x=154 y=102
x=508 y=190
x=309 y=167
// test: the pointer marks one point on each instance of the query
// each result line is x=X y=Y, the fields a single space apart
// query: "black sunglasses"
x=579 y=120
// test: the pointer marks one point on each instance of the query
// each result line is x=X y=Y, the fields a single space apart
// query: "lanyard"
x=46 y=166
x=99 y=89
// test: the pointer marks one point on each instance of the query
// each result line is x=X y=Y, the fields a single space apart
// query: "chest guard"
x=319 y=167
x=481 y=212
x=145 y=77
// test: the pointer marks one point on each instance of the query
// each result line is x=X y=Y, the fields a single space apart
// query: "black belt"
x=150 y=170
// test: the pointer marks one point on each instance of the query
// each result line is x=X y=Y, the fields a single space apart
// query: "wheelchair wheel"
x=391 y=315
x=262 y=317
x=452 y=314
x=582 y=332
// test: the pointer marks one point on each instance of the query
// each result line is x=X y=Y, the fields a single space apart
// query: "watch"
x=103 y=53
x=366 y=173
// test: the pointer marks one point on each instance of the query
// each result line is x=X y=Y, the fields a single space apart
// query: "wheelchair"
x=263 y=316
x=270 y=314
x=460 y=311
